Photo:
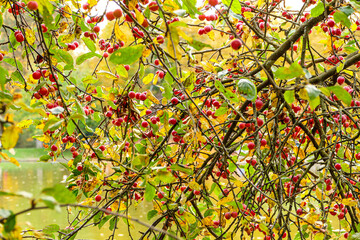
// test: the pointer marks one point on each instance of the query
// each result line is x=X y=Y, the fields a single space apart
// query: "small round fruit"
x=174 y=100
x=88 y=98
x=172 y=121
x=160 y=195
x=213 y=2
x=236 y=44
x=340 y=80
x=145 y=124
x=234 y=214
x=54 y=148
x=102 y=148
x=110 y=16
x=98 y=198
x=79 y=168
x=43 y=91
x=160 y=39
x=131 y=94
x=251 y=145
x=118 y=13
x=96 y=29
x=127 y=67
x=337 y=166
x=19 y=37
x=227 y=215
x=33 y=5
x=153 y=6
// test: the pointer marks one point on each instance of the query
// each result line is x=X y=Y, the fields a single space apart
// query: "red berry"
x=32 y=5
x=131 y=94
x=160 y=39
x=153 y=6
x=102 y=148
x=174 y=100
x=43 y=91
x=88 y=98
x=236 y=44
x=337 y=166
x=172 y=121
x=96 y=29
x=213 y=2
x=340 y=80
x=79 y=168
x=118 y=13
x=98 y=198
x=234 y=214
x=145 y=124
x=160 y=195
x=251 y=145
x=19 y=37
x=54 y=148
x=227 y=215
x=127 y=67
x=110 y=16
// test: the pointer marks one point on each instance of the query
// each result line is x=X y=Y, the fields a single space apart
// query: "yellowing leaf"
x=67 y=11
x=146 y=52
x=76 y=3
x=139 y=16
x=185 y=36
x=156 y=78
x=10 y=159
x=132 y=4
x=170 y=6
x=148 y=78
x=194 y=186
x=10 y=137
x=30 y=36
x=119 y=34
x=24 y=123
x=152 y=98
x=92 y=3
x=211 y=35
x=68 y=38
x=248 y=15
x=207 y=221
x=106 y=74
x=225 y=200
x=349 y=202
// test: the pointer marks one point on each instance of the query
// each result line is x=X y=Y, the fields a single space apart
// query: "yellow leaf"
x=349 y=202
x=107 y=74
x=10 y=159
x=24 y=123
x=67 y=11
x=148 y=78
x=119 y=34
x=156 y=78
x=139 y=16
x=92 y=3
x=248 y=15
x=225 y=200
x=207 y=221
x=260 y=3
x=239 y=183
x=194 y=186
x=10 y=137
x=185 y=36
x=75 y=3
x=211 y=35
x=132 y=4
x=30 y=36
x=173 y=42
x=68 y=38
x=146 y=52
x=170 y=6
x=152 y=98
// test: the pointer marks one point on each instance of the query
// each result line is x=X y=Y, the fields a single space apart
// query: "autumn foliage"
x=234 y=119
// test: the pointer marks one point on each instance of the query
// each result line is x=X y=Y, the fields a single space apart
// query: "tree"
x=233 y=118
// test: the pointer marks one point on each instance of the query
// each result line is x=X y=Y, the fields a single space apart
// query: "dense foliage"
x=235 y=119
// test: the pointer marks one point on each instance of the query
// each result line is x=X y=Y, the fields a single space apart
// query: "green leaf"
x=355 y=236
x=341 y=93
x=13 y=63
x=313 y=94
x=86 y=56
x=1 y=20
x=89 y=43
x=165 y=176
x=104 y=220
x=235 y=5
x=70 y=128
x=65 y=57
x=318 y=9
x=284 y=73
x=50 y=202
x=149 y=192
x=178 y=167
x=347 y=10
x=122 y=71
x=168 y=90
x=45 y=158
x=190 y=7
x=151 y=214
x=227 y=93
x=10 y=223
x=247 y=89
x=3 y=76
x=60 y=193
x=221 y=111
x=51 y=229
x=341 y=17
x=127 y=55
x=289 y=96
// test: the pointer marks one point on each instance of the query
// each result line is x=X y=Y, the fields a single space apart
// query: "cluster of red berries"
x=72 y=46
x=211 y=17
x=117 y=13
x=137 y=96
x=205 y=30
